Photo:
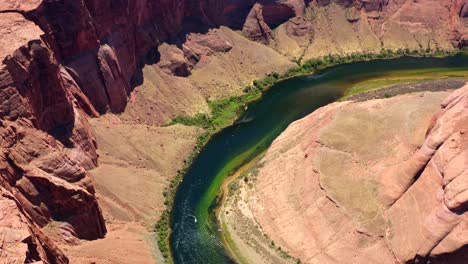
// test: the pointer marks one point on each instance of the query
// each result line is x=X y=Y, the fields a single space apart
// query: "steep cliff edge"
x=66 y=61
x=47 y=147
x=380 y=181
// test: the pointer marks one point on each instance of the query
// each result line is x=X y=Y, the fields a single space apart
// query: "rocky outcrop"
x=116 y=85
x=445 y=126
x=266 y=15
x=180 y=62
x=48 y=182
x=173 y=61
x=22 y=240
x=66 y=60
x=459 y=19
x=439 y=189
x=76 y=36
x=197 y=45
x=347 y=185
x=46 y=147
x=34 y=75
x=382 y=19
x=102 y=43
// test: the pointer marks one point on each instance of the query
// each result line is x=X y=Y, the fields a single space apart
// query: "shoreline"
x=435 y=85
x=431 y=86
x=225 y=194
x=252 y=95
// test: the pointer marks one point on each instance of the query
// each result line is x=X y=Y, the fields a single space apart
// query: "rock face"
x=179 y=62
x=383 y=16
x=101 y=43
x=46 y=148
x=439 y=188
x=266 y=15
x=22 y=240
x=347 y=185
x=64 y=61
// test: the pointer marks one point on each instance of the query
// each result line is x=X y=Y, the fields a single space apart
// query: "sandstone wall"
x=381 y=181
x=65 y=61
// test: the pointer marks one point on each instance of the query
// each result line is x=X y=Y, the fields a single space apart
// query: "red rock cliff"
x=65 y=60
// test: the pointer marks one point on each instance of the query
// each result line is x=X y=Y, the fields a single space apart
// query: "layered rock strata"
x=380 y=181
x=65 y=61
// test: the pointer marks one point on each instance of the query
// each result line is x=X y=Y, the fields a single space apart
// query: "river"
x=195 y=236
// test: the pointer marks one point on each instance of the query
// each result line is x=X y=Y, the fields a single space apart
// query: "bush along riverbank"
x=225 y=112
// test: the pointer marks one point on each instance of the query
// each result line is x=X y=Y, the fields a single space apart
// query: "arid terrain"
x=379 y=181
x=86 y=87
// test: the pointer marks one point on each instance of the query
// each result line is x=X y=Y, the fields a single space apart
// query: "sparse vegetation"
x=377 y=84
x=225 y=111
x=199 y=120
x=408 y=79
x=317 y=64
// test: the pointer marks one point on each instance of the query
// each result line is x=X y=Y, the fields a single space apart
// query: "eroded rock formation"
x=348 y=185
x=439 y=189
x=67 y=60
x=46 y=148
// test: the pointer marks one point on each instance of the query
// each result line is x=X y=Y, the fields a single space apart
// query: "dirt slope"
x=65 y=62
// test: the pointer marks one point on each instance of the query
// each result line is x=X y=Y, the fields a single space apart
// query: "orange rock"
x=63 y=61
x=435 y=204
x=366 y=193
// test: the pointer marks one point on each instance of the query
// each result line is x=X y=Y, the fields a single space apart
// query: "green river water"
x=195 y=236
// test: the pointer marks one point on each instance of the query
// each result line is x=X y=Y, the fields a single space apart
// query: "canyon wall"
x=68 y=60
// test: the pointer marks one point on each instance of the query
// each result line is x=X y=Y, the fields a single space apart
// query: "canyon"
x=86 y=87
x=347 y=185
